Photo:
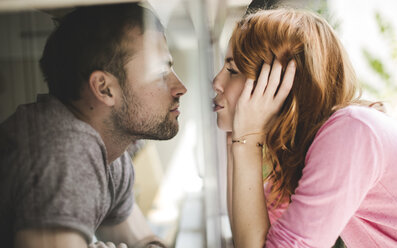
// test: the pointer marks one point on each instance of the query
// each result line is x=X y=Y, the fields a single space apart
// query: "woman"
x=331 y=162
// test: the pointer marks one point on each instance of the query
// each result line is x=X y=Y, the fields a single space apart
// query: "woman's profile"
x=287 y=95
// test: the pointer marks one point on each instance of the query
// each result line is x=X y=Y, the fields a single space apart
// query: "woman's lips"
x=217 y=107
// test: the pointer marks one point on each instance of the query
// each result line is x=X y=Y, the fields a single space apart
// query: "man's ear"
x=103 y=86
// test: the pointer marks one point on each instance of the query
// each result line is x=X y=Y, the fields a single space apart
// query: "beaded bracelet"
x=242 y=140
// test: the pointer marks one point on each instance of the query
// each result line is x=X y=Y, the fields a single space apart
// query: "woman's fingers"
x=274 y=79
x=254 y=112
x=262 y=81
x=287 y=83
x=246 y=94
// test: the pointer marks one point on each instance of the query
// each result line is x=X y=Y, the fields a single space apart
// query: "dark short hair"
x=89 y=39
x=257 y=5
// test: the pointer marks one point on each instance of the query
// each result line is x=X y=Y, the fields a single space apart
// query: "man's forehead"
x=149 y=43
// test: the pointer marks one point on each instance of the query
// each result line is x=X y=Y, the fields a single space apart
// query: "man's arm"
x=49 y=238
x=56 y=238
x=134 y=231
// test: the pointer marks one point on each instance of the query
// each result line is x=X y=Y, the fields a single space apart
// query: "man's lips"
x=175 y=109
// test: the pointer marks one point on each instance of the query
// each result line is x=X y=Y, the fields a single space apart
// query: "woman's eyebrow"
x=229 y=60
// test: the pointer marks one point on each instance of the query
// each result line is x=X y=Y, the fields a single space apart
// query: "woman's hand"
x=255 y=108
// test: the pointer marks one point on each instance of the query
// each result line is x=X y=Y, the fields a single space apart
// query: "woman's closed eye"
x=232 y=71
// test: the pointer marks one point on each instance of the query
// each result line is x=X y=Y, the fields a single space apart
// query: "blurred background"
x=181 y=184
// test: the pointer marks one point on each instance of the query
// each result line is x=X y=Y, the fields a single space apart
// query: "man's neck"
x=95 y=116
x=115 y=143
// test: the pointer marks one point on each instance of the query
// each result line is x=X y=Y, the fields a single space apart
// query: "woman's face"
x=228 y=85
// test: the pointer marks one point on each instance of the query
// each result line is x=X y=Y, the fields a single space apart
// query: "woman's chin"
x=227 y=127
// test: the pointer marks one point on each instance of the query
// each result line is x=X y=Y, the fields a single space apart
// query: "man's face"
x=150 y=95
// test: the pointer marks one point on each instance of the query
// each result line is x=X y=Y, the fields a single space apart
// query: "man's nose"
x=178 y=89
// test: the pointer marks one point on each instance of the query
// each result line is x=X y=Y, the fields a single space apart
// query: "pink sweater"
x=348 y=186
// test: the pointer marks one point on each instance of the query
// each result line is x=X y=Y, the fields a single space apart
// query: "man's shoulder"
x=47 y=121
x=46 y=130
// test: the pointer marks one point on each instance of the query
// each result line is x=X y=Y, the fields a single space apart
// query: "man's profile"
x=64 y=173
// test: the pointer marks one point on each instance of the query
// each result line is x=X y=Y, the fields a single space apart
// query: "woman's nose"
x=217 y=85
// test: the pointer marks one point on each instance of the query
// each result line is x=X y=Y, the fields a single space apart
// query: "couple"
x=329 y=160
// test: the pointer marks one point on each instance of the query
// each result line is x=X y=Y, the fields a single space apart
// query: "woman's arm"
x=250 y=218
x=258 y=195
x=254 y=110
x=229 y=179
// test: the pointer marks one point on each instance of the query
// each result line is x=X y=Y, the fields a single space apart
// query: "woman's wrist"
x=246 y=154
x=249 y=139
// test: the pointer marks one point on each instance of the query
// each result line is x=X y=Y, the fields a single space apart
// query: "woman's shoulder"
x=355 y=128
x=352 y=126
x=357 y=117
x=357 y=112
x=351 y=138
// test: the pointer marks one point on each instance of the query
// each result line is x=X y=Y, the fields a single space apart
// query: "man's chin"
x=171 y=132
x=164 y=137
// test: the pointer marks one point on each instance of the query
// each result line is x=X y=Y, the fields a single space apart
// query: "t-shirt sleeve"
x=64 y=186
x=342 y=164
x=124 y=198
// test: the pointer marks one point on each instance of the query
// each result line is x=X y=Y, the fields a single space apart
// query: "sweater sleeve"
x=341 y=166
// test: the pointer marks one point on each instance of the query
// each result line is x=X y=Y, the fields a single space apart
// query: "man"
x=64 y=172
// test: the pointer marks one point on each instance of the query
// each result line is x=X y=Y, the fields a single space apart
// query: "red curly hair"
x=324 y=82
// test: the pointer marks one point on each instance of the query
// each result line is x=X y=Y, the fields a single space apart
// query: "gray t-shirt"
x=53 y=173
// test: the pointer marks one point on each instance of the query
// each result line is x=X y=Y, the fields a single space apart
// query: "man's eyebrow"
x=229 y=59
